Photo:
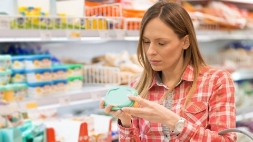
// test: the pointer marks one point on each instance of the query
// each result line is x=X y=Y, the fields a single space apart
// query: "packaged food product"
x=15 y=92
x=5 y=62
x=59 y=72
x=60 y=86
x=40 y=89
x=5 y=77
x=18 y=76
x=118 y=97
x=75 y=82
x=18 y=62
x=39 y=75
x=75 y=70
x=38 y=62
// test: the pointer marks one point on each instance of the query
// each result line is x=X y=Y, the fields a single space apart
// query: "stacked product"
x=10 y=91
x=75 y=76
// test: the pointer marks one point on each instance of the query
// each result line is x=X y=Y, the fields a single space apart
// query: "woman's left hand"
x=152 y=112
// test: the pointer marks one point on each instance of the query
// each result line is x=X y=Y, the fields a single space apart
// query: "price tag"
x=74 y=35
x=64 y=100
x=45 y=35
x=4 y=24
x=104 y=34
x=31 y=105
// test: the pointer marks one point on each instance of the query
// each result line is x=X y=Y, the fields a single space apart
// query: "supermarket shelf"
x=245 y=116
x=242 y=75
x=7 y=35
x=75 y=97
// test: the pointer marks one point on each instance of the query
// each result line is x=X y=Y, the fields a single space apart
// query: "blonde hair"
x=177 y=18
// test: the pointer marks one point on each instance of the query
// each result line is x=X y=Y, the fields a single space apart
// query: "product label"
x=46 y=76
x=20 y=94
x=60 y=87
x=18 y=78
x=4 y=79
x=76 y=84
x=44 y=63
x=18 y=65
x=39 y=77
x=59 y=75
x=45 y=90
x=4 y=64
x=76 y=72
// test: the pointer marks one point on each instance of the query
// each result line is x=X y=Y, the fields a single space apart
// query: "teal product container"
x=5 y=77
x=117 y=96
x=5 y=62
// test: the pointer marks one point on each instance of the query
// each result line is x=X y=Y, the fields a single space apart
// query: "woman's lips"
x=154 y=62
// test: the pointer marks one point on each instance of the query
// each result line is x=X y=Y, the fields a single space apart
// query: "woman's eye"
x=146 y=42
x=161 y=44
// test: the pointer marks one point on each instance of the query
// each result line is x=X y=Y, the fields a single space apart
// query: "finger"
x=139 y=112
x=117 y=114
x=101 y=104
x=139 y=100
x=108 y=109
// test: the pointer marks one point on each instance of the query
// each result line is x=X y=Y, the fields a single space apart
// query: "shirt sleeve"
x=130 y=134
x=221 y=114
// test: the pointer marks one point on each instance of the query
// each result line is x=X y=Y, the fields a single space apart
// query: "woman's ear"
x=186 y=42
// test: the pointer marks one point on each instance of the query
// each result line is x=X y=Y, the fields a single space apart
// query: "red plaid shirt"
x=210 y=110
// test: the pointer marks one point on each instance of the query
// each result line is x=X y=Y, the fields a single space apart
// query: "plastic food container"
x=75 y=70
x=5 y=62
x=59 y=72
x=75 y=82
x=40 y=89
x=15 y=92
x=38 y=62
x=60 y=86
x=18 y=62
x=5 y=77
x=118 y=96
x=18 y=76
x=39 y=75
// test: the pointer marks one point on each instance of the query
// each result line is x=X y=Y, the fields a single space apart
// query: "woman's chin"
x=156 y=68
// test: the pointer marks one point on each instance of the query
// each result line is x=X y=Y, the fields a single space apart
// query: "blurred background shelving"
x=102 y=36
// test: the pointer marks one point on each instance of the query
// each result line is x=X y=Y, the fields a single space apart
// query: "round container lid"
x=75 y=78
x=2 y=88
x=16 y=86
x=22 y=71
x=39 y=84
x=19 y=58
x=7 y=72
x=60 y=81
x=39 y=70
x=73 y=66
x=33 y=57
x=59 y=67
x=5 y=57
x=118 y=97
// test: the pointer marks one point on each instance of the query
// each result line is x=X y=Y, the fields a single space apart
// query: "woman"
x=181 y=98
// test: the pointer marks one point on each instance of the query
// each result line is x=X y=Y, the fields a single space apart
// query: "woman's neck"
x=171 y=76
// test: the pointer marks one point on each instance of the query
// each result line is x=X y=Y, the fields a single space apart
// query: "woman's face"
x=162 y=46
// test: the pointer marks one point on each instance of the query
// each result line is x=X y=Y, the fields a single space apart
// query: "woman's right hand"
x=125 y=118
